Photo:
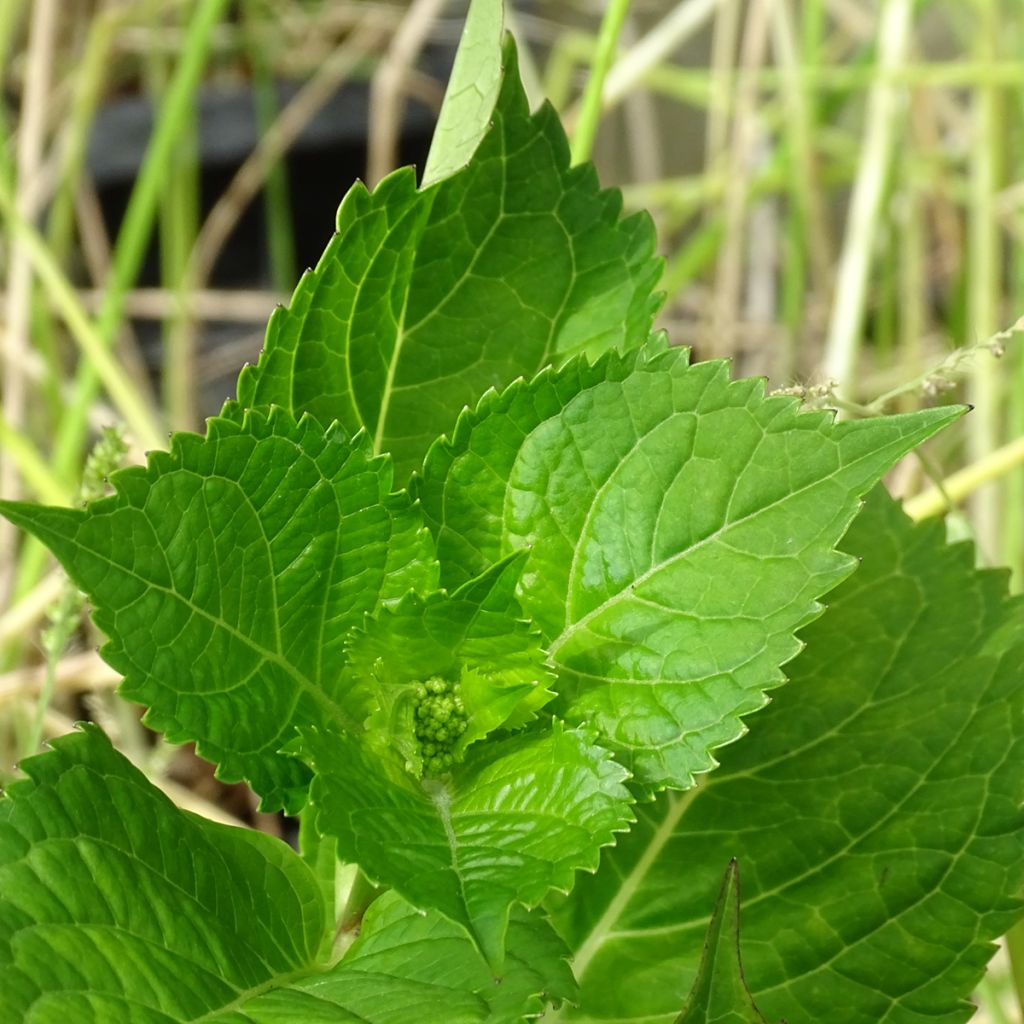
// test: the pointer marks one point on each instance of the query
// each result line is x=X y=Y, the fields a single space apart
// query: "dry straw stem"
x=96 y=251
x=718 y=89
x=847 y=319
x=644 y=136
x=293 y=118
x=388 y=86
x=807 y=191
x=23 y=616
x=94 y=349
x=984 y=277
x=90 y=77
x=209 y=304
x=136 y=227
x=740 y=155
x=76 y=673
x=31 y=137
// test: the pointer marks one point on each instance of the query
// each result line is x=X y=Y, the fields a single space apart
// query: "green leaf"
x=475 y=637
x=516 y=820
x=226 y=575
x=679 y=529
x=408 y=968
x=116 y=906
x=719 y=994
x=425 y=299
x=471 y=94
x=874 y=809
x=412 y=968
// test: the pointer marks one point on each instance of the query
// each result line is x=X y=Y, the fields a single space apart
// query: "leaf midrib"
x=627 y=590
x=627 y=890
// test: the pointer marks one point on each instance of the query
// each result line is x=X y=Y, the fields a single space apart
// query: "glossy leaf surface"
x=424 y=299
x=226 y=575
x=408 y=968
x=516 y=820
x=678 y=529
x=116 y=906
x=874 y=811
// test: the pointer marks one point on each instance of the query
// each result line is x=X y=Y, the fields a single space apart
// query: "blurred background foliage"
x=838 y=187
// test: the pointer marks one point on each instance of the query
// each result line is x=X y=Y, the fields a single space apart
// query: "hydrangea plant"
x=482 y=579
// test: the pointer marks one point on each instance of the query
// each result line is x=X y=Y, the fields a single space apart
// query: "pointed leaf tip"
x=719 y=994
x=226 y=574
x=471 y=93
x=509 y=264
x=679 y=529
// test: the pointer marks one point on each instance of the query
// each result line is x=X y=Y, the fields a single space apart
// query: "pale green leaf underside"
x=679 y=528
x=424 y=299
x=471 y=94
x=516 y=820
x=226 y=575
x=719 y=994
x=118 y=907
x=874 y=810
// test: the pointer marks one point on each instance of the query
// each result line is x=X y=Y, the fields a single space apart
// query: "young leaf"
x=516 y=820
x=874 y=809
x=719 y=994
x=226 y=575
x=475 y=638
x=679 y=529
x=424 y=299
x=471 y=94
x=116 y=906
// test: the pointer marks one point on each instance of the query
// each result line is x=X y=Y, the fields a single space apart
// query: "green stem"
x=90 y=76
x=179 y=224
x=653 y=49
x=361 y=893
x=694 y=85
x=31 y=465
x=321 y=854
x=129 y=253
x=175 y=112
x=912 y=279
x=590 y=110
x=95 y=351
x=280 y=238
x=993 y=466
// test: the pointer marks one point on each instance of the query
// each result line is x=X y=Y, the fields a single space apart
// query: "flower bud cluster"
x=440 y=721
